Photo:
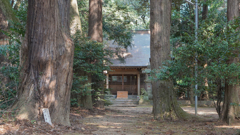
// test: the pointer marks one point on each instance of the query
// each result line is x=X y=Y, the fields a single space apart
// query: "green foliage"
x=90 y=57
x=107 y=102
x=144 y=92
x=118 y=22
x=216 y=44
x=144 y=99
x=133 y=14
x=10 y=71
x=10 y=66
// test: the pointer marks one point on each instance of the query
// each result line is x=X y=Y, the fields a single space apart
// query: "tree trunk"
x=219 y=97
x=3 y=27
x=86 y=100
x=95 y=20
x=6 y=14
x=205 y=10
x=164 y=99
x=47 y=61
x=231 y=111
x=204 y=17
x=75 y=26
x=75 y=23
x=95 y=33
x=239 y=6
x=191 y=94
x=17 y=5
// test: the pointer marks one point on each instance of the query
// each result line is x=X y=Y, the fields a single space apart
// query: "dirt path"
x=121 y=121
x=138 y=120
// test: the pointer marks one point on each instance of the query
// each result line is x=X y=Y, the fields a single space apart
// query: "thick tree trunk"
x=231 y=111
x=95 y=20
x=47 y=61
x=95 y=33
x=164 y=99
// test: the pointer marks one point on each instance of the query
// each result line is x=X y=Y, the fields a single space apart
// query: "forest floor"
x=123 y=121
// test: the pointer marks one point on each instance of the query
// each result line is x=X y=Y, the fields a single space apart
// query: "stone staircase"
x=131 y=101
x=124 y=103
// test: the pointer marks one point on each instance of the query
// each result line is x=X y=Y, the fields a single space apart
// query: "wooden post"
x=138 y=83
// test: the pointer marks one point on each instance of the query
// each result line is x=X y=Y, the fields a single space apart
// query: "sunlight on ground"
x=139 y=120
x=107 y=123
x=206 y=113
x=2 y=130
x=127 y=116
x=99 y=116
x=91 y=116
x=230 y=127
x=202 y=111
x=5 y=128
x=109 y=127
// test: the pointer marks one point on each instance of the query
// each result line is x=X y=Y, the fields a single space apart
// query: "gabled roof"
x=138 y=55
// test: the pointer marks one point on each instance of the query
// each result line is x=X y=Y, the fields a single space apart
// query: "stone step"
x=124 y=102
x=123 y=105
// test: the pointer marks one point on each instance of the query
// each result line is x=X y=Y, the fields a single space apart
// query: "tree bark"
x=231 y=111
x=75 y=23
x=95 y=20
x=75 y=26
x=205 y=10
x=86 y=100
x=191 y=94
x=47 y=61
x=95 y=33
x=3 y=27
x=6 y=14
x=164 y=101
x=239 y=6
x=17 y=5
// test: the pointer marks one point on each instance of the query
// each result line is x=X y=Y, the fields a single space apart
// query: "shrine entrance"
x=123 y=82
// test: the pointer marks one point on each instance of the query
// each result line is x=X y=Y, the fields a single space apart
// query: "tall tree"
x=95 y=20
x=95 y=31
x=231 y=111
x=164 y=100
x=47 y=60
